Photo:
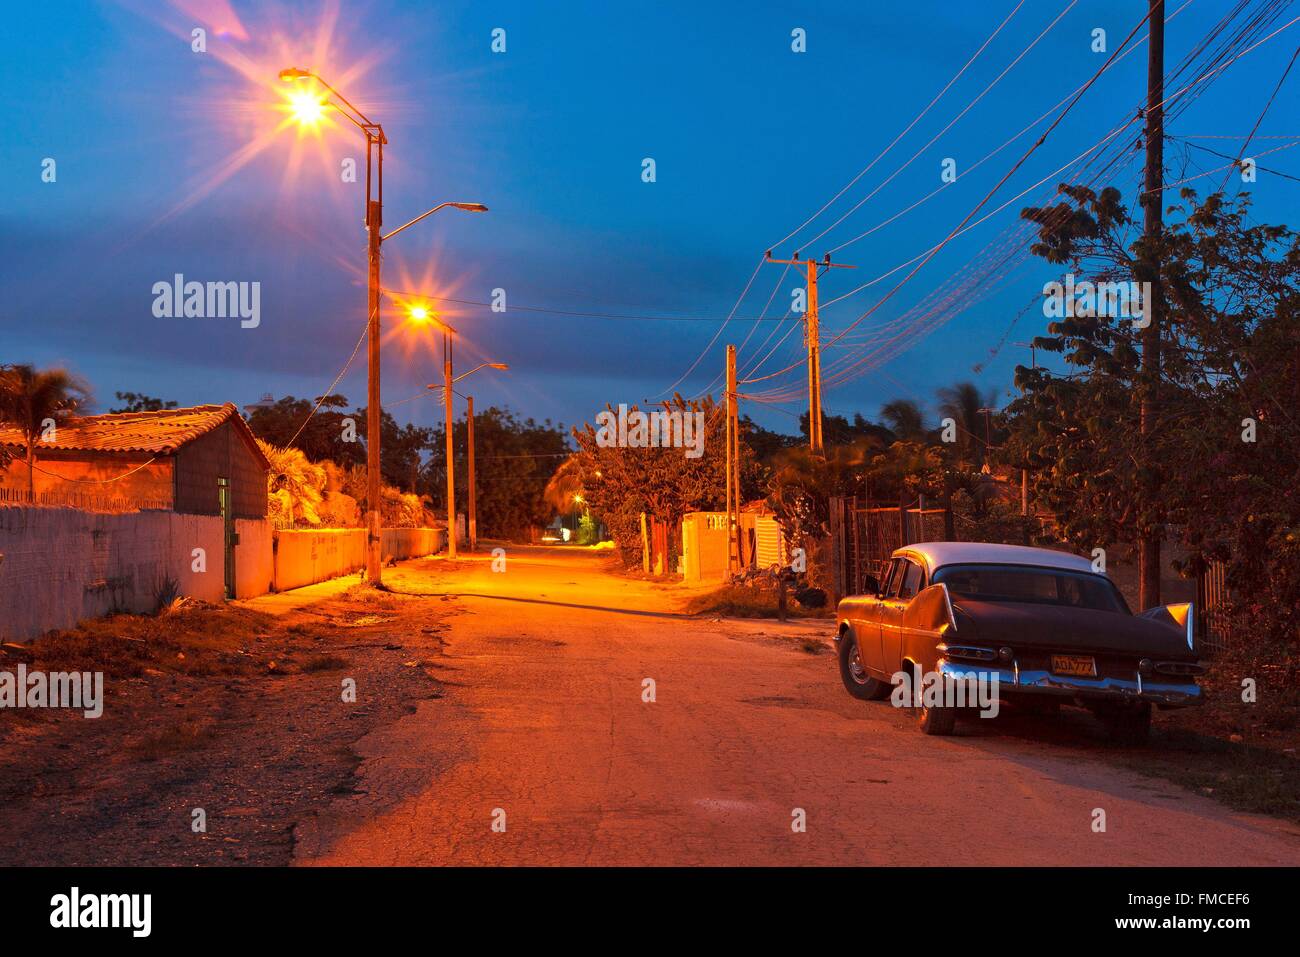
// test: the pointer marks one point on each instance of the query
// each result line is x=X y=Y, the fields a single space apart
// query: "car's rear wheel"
x=1127 y=725
x=855 y=677
x=937 y=720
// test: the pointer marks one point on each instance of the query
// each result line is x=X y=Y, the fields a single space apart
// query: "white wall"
x=61 y=565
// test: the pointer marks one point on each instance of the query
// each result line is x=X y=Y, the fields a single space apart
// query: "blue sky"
x=749 y=139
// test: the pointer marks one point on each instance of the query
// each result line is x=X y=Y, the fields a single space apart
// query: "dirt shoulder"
x=232 y=710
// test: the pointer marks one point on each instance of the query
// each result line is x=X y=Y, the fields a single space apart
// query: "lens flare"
x=306 y=108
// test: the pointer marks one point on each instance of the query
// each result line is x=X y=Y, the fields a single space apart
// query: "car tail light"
x=967 y=652
x=1183 y=668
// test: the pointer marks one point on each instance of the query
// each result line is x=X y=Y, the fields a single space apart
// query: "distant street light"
x=307 y=110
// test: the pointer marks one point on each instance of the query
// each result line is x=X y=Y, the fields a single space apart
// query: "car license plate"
x=1074 y=665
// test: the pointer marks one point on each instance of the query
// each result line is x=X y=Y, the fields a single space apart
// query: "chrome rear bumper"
x=1013 y=679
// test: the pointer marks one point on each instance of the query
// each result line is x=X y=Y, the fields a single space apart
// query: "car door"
x=868 y=627
x=906 y=581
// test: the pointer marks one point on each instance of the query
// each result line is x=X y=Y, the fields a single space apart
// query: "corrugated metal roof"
x=152 y=433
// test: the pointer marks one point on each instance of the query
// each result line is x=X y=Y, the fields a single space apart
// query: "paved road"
x=543 y=728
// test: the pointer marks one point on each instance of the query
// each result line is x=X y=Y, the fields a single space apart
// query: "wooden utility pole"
x=374 y=407
x=812 y=335
x=449 y=412
x=469 y=490
x=733 y=506
x=1152 y=225
x=1024 y=473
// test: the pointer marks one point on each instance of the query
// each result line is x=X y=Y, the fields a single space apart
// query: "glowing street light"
x=308 y=109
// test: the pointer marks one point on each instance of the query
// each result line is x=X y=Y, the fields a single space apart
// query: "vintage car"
x=1043 y=622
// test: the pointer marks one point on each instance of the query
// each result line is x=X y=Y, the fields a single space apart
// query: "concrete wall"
x=403 y=543
x=306 y=556
x=61 y=565
x=254 y=557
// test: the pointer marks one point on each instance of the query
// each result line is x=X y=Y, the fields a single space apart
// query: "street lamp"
x=307 y=110
x=471 y=517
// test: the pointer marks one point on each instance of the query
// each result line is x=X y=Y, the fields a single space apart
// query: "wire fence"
x=80 y=500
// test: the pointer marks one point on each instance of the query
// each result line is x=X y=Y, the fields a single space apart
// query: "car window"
x=1048 y=586
x=890 y=579
x=911 y=580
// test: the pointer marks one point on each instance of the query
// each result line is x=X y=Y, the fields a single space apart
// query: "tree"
x=621 y=482
x=904 y=419
x=35 y=400
x=1222 y=466
x=139 y=402
x=295 y=486
x=331 y=433
x=513 y=459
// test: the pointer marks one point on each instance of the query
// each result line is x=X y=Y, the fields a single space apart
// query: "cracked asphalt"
x=542 y=750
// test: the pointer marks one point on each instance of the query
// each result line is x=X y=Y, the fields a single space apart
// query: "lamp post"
x=448 y=392
x=307 y=111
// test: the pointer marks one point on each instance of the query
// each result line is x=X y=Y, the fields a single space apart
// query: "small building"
x=704 y=542
x=201 y=461
x=198 y=461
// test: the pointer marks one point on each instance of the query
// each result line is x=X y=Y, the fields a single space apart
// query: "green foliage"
x=295 y=487
x=513 y=459
x=323 y=437
x=588 y=530
x=620 y=483
x=139 y=402
x=1231 y=342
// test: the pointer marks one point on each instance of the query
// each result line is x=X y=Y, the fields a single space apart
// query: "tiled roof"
x=155 y=433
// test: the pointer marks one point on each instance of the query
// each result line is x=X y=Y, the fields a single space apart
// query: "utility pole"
x=374 y=408
x=451 y=461
x=472 y=510
x=1152 y=226
x=733 y=540
x=812 y=335
x=1024 y=473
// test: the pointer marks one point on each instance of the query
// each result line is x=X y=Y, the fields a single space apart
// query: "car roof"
x=937 y=554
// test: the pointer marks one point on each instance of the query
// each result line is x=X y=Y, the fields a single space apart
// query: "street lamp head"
x=418 y=314
x=289 y=74
x=498 y=365
x=470 y=207
x=306 y=108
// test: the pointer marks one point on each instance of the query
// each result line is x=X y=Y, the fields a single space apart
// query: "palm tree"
x=905 y=419
x=33 y=400
x=964 y=405
x=295 y=485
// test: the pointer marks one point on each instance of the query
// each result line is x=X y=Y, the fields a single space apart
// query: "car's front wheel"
x=855 y=677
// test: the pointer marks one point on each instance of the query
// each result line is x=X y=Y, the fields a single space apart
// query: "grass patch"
x=324 y=663
x=740 y=601
x=1246 y=778
x=179 y=738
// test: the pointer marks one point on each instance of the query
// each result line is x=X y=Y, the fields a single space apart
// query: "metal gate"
x=864 y=535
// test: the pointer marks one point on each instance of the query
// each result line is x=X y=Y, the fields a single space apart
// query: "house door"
x=227 y=534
